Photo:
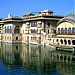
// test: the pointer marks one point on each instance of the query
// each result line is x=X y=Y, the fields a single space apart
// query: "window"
x=57 y=40
x=69 y=30
x=34 y=31
x=65 y=30
x=58 y=30
x=16 y=30
x=73 y=30
x=54 y=31
x=17 y=38
x=10 y=29
x=34 y=24
x=62 y=31
x=65 y=41
x=73 y=42
x=61 y=41
x=69 y=42
x=5 y=29
x=17 y=47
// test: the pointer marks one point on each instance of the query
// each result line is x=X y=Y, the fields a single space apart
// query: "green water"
x=23 y=59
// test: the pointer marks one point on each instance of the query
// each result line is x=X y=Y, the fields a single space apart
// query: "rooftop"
x=46 y=14
x=68 y=18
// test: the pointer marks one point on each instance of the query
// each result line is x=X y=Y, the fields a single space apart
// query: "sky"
x=21 y=7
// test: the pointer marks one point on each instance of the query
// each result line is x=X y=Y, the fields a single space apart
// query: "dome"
x=70 y=18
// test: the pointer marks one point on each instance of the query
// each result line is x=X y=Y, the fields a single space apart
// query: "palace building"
x=30 y=28
x=65 y=32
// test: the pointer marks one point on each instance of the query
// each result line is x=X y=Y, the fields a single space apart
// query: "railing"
x=65 y=33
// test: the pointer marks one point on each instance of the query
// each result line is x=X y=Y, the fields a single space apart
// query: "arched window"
x=59 y=31
x=10 y=29
x=57 y=40
x=69 y=42
x=62 y=31
x=33 y=24
x=16 y=30
x=5 y=29
x=65 y=30
x=65 y=41
x=48 y=24
x=10 y=37
x=61 y=41
x=73 y=30
x=69 y=30
x=33 y=31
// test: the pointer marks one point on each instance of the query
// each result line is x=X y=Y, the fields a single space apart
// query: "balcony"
x=66 y=32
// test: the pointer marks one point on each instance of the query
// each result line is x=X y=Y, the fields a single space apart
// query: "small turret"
x=9 y=15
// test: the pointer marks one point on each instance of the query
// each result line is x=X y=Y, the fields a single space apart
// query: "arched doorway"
x=17 y=38
x=65 y=41
x=69 y=42
x=61 y=41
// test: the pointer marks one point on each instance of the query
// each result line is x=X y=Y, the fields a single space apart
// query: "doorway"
x=17 y=38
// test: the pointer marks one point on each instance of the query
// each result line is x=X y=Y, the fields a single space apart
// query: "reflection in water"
x=18 y=59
